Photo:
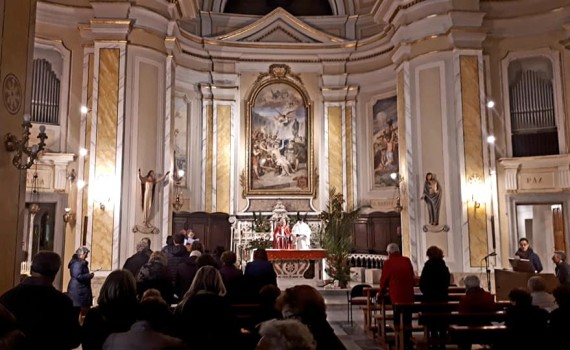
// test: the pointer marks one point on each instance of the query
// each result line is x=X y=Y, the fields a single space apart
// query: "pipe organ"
x=45 y=93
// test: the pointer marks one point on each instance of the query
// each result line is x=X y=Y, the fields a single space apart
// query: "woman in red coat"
x=398 y=280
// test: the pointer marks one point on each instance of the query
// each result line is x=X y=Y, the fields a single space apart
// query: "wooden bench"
x=465 y=336
x=414 y=309
x=436 y=325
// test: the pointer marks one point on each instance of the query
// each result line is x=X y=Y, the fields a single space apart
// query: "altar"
x=293 y=263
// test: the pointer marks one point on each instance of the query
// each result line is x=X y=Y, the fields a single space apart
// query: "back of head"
x=119 y=289
x=46 y=264
x=520 y=297
x=196 y=245
x=268 y=294
x=228 y=257
x=562 y=296
x=206 y=260
x=302 y=302
x=536 y=284
x=207 y=280
x=260 y=254
x=434 y=252
x=472 y=282
x=142 y=245
x=155 y=311
x=159 y=257
x=392 y=248
x=285 y=335
x=170 y=240
x=179 y=238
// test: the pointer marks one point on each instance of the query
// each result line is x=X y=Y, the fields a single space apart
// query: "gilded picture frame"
x=279 y=136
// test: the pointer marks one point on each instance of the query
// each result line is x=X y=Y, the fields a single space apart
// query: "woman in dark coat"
x=435 y=277
x=79 y=287
x=259 y=272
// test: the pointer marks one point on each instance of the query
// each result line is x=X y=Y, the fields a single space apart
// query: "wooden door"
x=558 y=228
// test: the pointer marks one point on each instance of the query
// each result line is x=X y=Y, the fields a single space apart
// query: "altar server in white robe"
x=302 y=232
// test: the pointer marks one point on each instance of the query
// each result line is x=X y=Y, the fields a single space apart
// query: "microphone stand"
x=488 y=269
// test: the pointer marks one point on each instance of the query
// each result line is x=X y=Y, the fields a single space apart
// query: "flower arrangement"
x=336 y=237
x=260 y=243
x=261 y=223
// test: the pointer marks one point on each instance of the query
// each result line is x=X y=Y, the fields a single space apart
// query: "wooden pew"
x=465 y=336
x=414 y=309
x=370 y=309
x=436 y=326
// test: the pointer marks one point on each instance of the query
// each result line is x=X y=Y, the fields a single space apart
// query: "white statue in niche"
x=148 y=183
x=302 y=232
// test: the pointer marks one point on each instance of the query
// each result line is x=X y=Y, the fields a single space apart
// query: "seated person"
x=476 y=299
x=526 y=322
x=540 y=297
x=285 y=335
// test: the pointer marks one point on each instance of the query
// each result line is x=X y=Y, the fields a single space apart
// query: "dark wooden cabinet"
x=374 y=231
x=212 y=229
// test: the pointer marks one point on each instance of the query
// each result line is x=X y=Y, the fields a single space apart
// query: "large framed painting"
x=385 y=141
x=278 y=136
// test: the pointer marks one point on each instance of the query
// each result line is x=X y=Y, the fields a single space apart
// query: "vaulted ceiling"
x=295 y=7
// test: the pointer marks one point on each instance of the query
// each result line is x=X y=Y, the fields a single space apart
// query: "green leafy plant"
x=260 y=243
x=336 y=237
x=261 y=223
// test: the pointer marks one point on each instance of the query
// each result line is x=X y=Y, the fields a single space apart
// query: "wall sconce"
x=25 y=156
x=476 y=191
x=103 y=191
x=68 y=216
x=179 y=200
x=397 y=179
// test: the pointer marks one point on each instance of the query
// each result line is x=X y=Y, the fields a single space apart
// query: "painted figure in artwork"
x=432 y=197
x=148 y=183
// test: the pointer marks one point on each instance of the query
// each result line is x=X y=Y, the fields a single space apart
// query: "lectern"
x=507 y=280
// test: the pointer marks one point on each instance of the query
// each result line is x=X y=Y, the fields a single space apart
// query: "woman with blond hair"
x=206 y=312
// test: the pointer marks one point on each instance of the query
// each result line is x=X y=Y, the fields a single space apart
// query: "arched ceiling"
x=336 y=7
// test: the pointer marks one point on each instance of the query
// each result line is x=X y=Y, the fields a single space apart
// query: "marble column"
x=16 y=54
x=340 y=142
x=219 y=139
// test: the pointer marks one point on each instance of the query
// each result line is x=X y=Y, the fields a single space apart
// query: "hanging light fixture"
x=25 y=155
x=35 y=196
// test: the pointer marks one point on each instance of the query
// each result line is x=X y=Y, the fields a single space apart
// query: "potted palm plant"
x=336 y=237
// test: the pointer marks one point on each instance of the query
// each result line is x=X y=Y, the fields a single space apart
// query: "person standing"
x=397 y=280
x=435 y=277
x=562 y=268
x=79 y=287
x=526 y=252
x=137 y=260
x=44 y=314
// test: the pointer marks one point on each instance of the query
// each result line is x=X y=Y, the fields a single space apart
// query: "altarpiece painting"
x=279 y=136
x=385 y=141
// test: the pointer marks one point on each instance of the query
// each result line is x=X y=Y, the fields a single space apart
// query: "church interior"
x=442 y=121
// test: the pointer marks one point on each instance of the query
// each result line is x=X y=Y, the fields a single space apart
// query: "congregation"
x=183 y=297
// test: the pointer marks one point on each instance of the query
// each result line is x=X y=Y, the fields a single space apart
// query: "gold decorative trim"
x=110 y=21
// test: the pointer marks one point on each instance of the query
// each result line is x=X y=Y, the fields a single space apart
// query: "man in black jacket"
x=562 y=268
x=137 y=260
x=43 y=313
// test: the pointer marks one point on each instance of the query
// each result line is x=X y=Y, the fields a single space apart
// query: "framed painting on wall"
x=385 y=141
x=278 y=136
x=181 y=109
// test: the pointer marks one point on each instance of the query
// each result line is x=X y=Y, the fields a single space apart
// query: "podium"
x=507 y=280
